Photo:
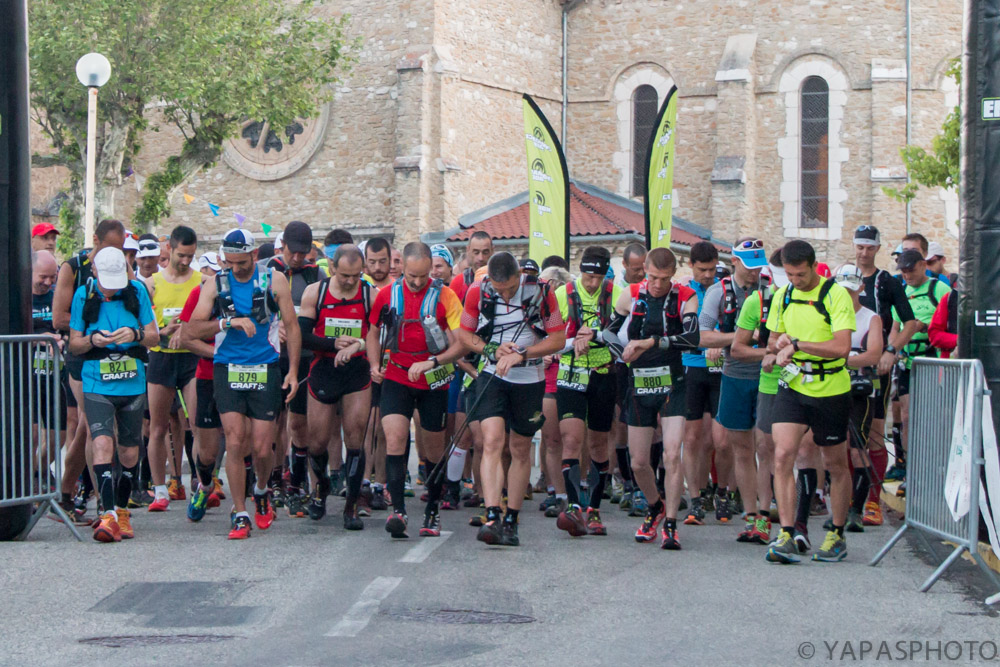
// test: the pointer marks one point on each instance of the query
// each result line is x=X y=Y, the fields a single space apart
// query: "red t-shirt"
x=412 y=343
x=345 y=320
x=204 y=370
x=459 y=287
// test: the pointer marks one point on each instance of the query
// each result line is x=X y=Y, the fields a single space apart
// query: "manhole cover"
x=459 y=616
x=125 y=641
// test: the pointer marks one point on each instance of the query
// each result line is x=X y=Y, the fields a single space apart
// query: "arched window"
x=645 y=105
x=814 y=153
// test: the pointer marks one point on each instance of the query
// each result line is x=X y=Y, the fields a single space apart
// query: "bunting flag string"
x=267 y=229
x=215 y=208
x=188 y=198
x=240 y=218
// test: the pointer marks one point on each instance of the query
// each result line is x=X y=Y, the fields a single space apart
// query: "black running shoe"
x=508 y=536
x=491 y=532
x=317 y=505
x=378 y=499
x=395 y=525
x=351 y=519
x=432 y=524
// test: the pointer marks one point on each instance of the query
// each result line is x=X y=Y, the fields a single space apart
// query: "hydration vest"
x=533 y=300
x=324 y=291
x=919 y=345
x=428 y=309
x=821 y=367
x=731 y=305
x=129 y=297
x=766 y=296
x=310 y=272
x=574 y=319
x=264 y=308
x=641 y=326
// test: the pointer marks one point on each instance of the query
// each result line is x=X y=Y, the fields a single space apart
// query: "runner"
x=241 y=307
x=513 y=321
x=44 y=272
x=924 y=294
x=883 y=295
x=378 y=255
x=584 y=385
x=740 y=379
x=703 y=377
x=662 y=321
x=112 y=327
x=148 y=256
x=333 y=319
x=44 y=236
x=171 y=367
x=293 y=426
x=813 y=318
x=419 y=316
x=477 y=254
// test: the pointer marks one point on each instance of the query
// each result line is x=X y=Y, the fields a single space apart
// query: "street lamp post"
x=93 y=70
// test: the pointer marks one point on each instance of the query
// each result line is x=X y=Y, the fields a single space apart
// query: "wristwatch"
x=890 y=349
x=434 y=359
x=795 y=344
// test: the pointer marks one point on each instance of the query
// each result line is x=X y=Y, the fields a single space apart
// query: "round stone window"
x=266 y=153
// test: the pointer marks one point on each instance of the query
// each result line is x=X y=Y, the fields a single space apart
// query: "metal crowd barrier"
x=30 y=394
x=935 y=385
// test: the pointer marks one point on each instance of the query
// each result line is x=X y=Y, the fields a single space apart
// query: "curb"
x=898 y=505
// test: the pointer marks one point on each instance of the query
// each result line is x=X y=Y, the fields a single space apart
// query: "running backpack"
x=534 y=293
x=264 y=307
x=575 y=307
x=435 y=339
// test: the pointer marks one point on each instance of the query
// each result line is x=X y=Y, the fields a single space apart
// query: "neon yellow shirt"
x=169 y=300
x=597 y=357
x=749 y=319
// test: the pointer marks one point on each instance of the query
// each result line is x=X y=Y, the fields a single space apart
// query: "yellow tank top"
x=169 y=300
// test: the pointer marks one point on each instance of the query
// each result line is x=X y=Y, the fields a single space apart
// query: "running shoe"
x=640 y=506
x=736 y=502
x=895 y=474
x=647 y=529
x=421 y=475
x=746 y=535
x=217 y=488
x=106 y=529
x=707 y=500
x=683 y=504
x=723 y=511
x=834 y=548
x=159 y=505
x=378 y=498
x=626 y=502
x=528 y=494
x=550 y=501
x=508 y=534
x=296 y=502
x=828 y=524
x=557 y=508
x=214 y=500
x=818 y=507
x=783 y=550
x=873 y=514
x=594 y=524
x=351 y=519
x=696 y=513
x=668 y=539
x=175 y=488
x=468 y=488
x=901 y=490
x=124 y=518
x=491 y=532
x=452 y=499
x=761 y=530
x=338 y=487
x=198 y=505
x=241 y=528
x=277 y=494
x=854 y=524
x=70 y=511
x=472 y=501
x=317 y=504
x=395 y=525
x=801 y=540
x=432 y=524
x=584 y=494
x=264 y=516
x=479 y=519
x=365 y=501
x=617 y=490
x=139 y=498
x=571 y=520
x=408 y=486
x=541 y=485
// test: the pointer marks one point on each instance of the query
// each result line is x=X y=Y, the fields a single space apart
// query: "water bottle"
x=437 y=341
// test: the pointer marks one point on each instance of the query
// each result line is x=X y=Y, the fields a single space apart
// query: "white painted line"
x=424 y=548
x=360 y=614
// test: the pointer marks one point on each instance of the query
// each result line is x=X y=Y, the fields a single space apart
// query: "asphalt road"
x=308 y=593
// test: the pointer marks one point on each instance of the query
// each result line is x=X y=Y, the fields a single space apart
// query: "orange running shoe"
x=107 y=529
x=241 y=528
x=873 y=514
x=176 y=490
x=125 y=524
x=217 y=491
x=159 y=505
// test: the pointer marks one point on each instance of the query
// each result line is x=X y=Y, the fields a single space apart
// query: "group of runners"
x=757 y=391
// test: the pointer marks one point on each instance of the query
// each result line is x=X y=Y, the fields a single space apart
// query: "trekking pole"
x=456 y=438
x=863 y=450
x=373 y=407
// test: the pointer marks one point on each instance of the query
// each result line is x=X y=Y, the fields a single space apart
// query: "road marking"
x=360 y=614
x=424 y=548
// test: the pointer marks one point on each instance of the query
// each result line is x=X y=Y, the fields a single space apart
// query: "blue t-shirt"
x=113 y=316
x=696 y=359
x=233 y=346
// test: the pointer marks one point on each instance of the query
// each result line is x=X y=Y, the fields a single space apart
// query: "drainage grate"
x=459 y=616
x=128 y=641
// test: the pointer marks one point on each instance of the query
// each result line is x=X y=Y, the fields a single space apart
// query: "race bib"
x=652 y=381
x=43 y=363
x=714 y=366
x=788 y=373
x=122 y=368
x=336 y=327
x=574 y=379
x=248 y=378
x=170 y=313
x=440 y=376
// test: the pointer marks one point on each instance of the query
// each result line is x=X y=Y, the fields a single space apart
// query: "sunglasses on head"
x=866 y=228
x=755 y=244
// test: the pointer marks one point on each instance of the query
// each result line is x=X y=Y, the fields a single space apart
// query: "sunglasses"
x=755 y=244
x=866 y=228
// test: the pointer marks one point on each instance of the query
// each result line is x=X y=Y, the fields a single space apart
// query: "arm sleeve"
x=691 y=336
x=938 y=332
x=709 y=317
x=901 y=309
x=470 y=315
x=311 y=341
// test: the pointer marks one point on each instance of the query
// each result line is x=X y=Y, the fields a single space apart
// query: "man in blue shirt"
x=111 y=328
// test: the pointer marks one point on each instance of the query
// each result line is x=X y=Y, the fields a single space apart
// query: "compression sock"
x=861 y=488
x=624 y=465
x=205 y=471
x=456 y=464
x=354 y=468
x=395 y=473
x=106 y=486
x=300 y=455
x=807 y=489
x=599 y=473
x=434 y=484
x=571 y=475
x=124 y=487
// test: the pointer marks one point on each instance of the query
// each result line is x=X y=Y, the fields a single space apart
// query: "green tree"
x=206 y=65
x=937 y=168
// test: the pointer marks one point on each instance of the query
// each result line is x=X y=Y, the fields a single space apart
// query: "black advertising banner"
x=659 y=206
x=979 y=314
x=548 y=187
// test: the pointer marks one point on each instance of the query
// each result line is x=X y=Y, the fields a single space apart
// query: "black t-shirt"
x=882 y=294
x=41 y=312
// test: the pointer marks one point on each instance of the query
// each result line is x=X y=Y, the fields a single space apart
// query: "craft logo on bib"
x=118 y=368
x=575 y=379
x=247 y=377
x=440 y=376
x=652 y=381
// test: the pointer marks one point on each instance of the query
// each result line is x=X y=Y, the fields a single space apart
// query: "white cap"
x=934 y=249
x=112 y=272
x=278 y=241
x=209 y=260
x=130 y=242
x=148 y=248
x=238 y=241
x=850 y=277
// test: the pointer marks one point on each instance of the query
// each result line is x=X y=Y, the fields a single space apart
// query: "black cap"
x=297 y=236
x=867 y=235
x=266 y=251
x=529 y=264
x=909 y=259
